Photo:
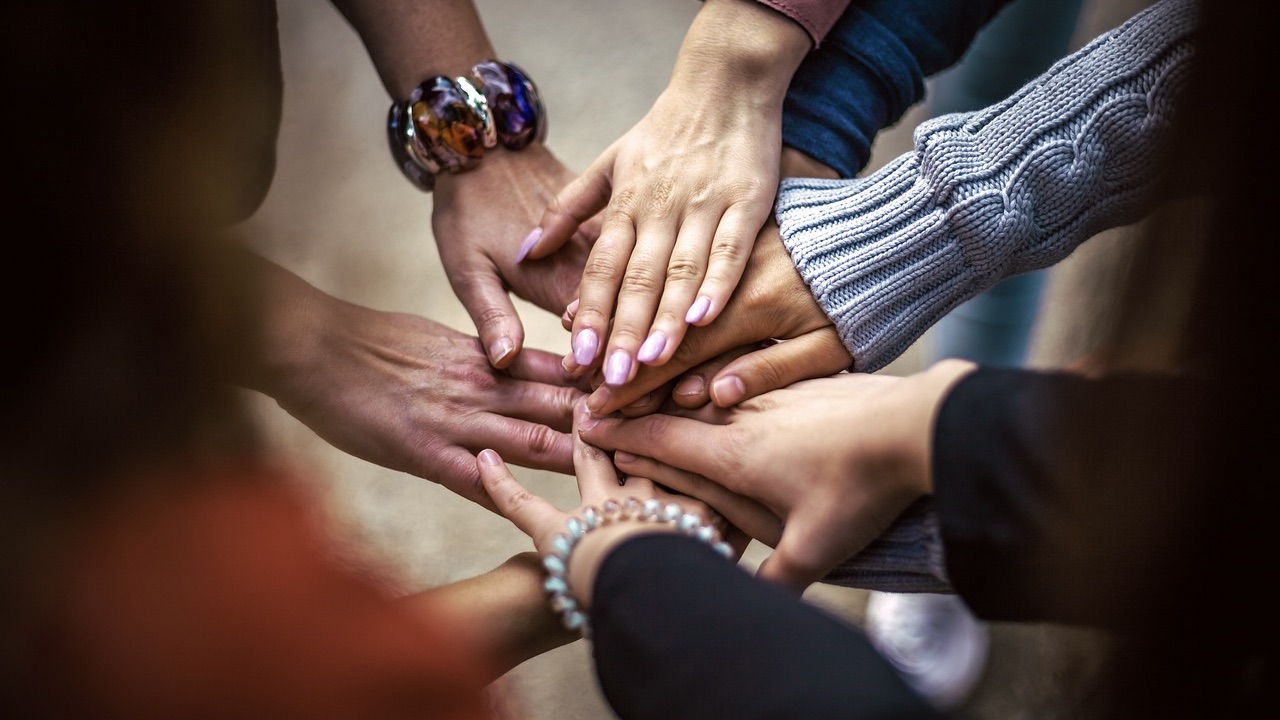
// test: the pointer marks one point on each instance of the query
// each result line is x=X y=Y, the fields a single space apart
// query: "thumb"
x=535 y=516
x=813 y=355
x=797 y=562
x=494 y=315
x=577 y=203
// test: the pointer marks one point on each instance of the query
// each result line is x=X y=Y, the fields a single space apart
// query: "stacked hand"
x=683 y=194
x=475 y=217
x=597 y=483
x=770 y=466
x=737 y=357
x=408 y=393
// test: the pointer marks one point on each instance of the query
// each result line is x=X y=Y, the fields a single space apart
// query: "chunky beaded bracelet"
x=556 y=561
x=449 y=123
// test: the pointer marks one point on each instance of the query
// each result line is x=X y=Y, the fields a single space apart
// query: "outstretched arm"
x=479 y=215
x=403 y=391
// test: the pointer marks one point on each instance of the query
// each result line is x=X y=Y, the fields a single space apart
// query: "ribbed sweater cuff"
x=986 y=195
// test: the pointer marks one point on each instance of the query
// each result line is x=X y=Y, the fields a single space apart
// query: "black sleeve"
x=680 y=632
x=1052 y=489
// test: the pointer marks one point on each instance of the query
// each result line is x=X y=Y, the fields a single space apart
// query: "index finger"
x=598 y=479
x=694 y=445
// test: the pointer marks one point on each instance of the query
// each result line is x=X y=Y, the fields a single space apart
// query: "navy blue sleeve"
x=871 y=69
x=678 y=631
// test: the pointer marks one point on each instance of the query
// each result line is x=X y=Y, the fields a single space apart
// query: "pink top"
x=817 y=17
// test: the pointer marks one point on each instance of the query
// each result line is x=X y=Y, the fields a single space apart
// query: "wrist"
x=451 y=123
x=613 y=522
x=290 y=329
x=795 y=163
x=741 y=44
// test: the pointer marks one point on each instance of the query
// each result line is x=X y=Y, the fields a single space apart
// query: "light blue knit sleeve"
x=989 y=194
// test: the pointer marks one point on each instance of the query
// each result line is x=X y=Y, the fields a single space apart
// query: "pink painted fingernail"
x=699 y=310
x=618 y=368
x=585 y=345
x=529 y=241
x=652 y=347
x=728 y=390
x=623 y=457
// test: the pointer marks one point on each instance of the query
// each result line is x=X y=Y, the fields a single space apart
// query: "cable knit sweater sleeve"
x=994 y=193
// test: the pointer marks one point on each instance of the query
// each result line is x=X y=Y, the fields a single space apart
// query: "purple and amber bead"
x=517 y=107
x=419 y=170
x=446 y=127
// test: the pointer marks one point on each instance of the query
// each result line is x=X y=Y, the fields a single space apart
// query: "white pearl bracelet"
x=556 y=561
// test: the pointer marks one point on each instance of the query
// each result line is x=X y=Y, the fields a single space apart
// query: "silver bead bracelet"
x=556 y=562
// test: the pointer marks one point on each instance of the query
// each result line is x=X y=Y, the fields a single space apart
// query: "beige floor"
x=341 y=216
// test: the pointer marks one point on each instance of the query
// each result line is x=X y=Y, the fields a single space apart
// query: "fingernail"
x=585 y=344
x=699 y=310
x=652 y=347
x=529 y=241
x=599 y=399
x=572 y=308
x=618 y=368
x=489 y=457
x=728 y=390
x=500 y=349
x=691 y=385
x=588 y=421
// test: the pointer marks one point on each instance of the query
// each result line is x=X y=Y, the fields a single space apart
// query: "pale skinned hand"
x=597 y=482
x=771 y=303
x=836 y=459
x=475 y=216
x=408 y=393
x=684 y=193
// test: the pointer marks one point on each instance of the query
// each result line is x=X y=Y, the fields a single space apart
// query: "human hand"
x=408 y=393
x=836 y=459
x=475 y=217
x=771 y=303
x=684 y=192
x=598 y=484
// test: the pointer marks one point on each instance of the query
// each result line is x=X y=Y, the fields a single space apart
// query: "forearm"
x=740 y=44
x=289 y=328
x=712 y=640
x=1068 y=513
x=986 y=195
x=870 y=70
x=504 y=611
x=410 y=41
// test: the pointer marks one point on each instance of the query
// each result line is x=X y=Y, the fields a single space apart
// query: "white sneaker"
x=933 y=640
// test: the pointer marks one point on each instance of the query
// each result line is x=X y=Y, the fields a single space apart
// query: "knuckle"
x=683 y=270
x=541 y=440
x=640 y=282
x=729 y=249
x=600 y=267
x=661 y=196
x=622 y=205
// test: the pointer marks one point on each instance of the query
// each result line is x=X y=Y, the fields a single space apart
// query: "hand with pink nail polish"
x=683 y=193
x=770 y=334
x=479 y=220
